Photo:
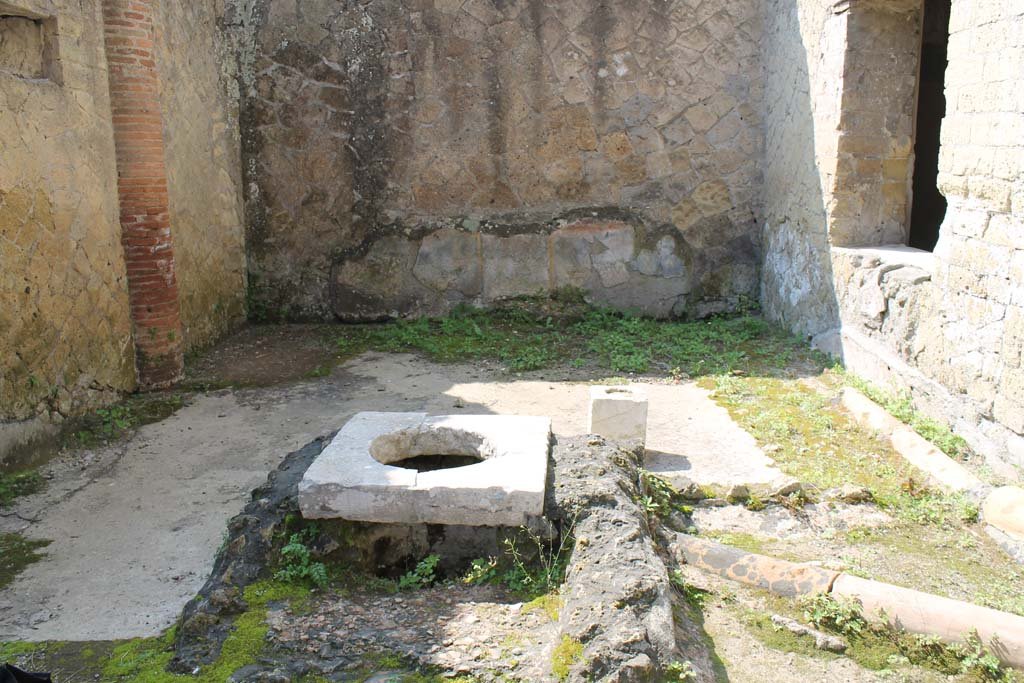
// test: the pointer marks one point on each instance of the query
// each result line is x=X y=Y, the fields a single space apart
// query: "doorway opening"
x=929 y=206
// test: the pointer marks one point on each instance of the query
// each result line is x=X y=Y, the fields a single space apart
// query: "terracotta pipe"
x=909 y=610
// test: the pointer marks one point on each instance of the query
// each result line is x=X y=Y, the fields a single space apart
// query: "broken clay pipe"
x=881 y=603
x=1001 y=508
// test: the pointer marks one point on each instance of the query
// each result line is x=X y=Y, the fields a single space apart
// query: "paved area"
x=136 y=525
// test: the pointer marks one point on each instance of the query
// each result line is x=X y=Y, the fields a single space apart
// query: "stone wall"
x=66 y=342
x=948 y=326
x=975 y=342
x=204 y=172
x=804 y=46
x=65 y=333
x=405 y=155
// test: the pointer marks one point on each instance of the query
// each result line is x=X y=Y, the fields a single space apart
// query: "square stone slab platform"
x=352 y=479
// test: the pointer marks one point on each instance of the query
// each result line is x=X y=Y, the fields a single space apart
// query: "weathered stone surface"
x=378 y=285
x=450 y=260
x=354 y=478
x=369 y=120
x=618 y=599
x=618 y=413
x=515 y=266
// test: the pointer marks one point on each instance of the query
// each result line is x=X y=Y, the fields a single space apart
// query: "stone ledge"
x=891 y=255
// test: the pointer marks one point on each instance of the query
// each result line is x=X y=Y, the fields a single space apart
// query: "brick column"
x=142 y=189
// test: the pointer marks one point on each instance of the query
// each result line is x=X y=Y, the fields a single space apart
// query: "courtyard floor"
x=134 y=513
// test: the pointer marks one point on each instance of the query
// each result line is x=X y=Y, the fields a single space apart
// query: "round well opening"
x=426 y=449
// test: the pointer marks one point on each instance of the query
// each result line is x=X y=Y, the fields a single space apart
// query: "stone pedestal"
x=618 y=413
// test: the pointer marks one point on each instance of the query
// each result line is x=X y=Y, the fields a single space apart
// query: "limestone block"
x=618 y=413
x=357 y=478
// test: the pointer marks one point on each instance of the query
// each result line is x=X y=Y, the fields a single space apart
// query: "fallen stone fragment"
x=850 y=493
x=822 y=641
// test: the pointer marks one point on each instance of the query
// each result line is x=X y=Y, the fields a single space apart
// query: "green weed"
x=298 y=562
x=481 y=571
x=19 y=484
x=546 y=571
x=422 y=576
x=680 y=671
x=696 y=597
x=535 y=333
x=901 y=407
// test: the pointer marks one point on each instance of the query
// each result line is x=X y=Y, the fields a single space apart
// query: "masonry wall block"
x=944 y=326
x=66 y=338
x=517 y=145
x=65 y=332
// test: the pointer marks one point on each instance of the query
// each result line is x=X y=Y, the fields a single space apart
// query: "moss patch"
x=743 y=541
x=145 y=660
x=115 y=421
x=16 y=553
x=549 y=603
x=566 y=653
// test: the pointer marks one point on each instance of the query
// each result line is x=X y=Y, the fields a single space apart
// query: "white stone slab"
x=618 y=413
x=505 y=489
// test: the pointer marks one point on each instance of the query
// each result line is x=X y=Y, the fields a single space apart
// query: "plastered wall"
x=204 y=173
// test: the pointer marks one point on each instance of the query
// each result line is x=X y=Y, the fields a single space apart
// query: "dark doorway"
x=929 y=206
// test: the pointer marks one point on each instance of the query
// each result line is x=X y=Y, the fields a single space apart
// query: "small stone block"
x=618 y=413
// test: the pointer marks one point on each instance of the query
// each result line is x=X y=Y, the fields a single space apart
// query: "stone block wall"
x=975 y=340
x=204 y=168
x=65 y=330
x=804 y=54
x=66 y=338
x=379 y=136
x=946 y=326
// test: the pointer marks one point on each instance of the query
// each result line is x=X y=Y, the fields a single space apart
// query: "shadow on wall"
x=803 y=52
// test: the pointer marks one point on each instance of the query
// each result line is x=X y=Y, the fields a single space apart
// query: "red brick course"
x=142 y=190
